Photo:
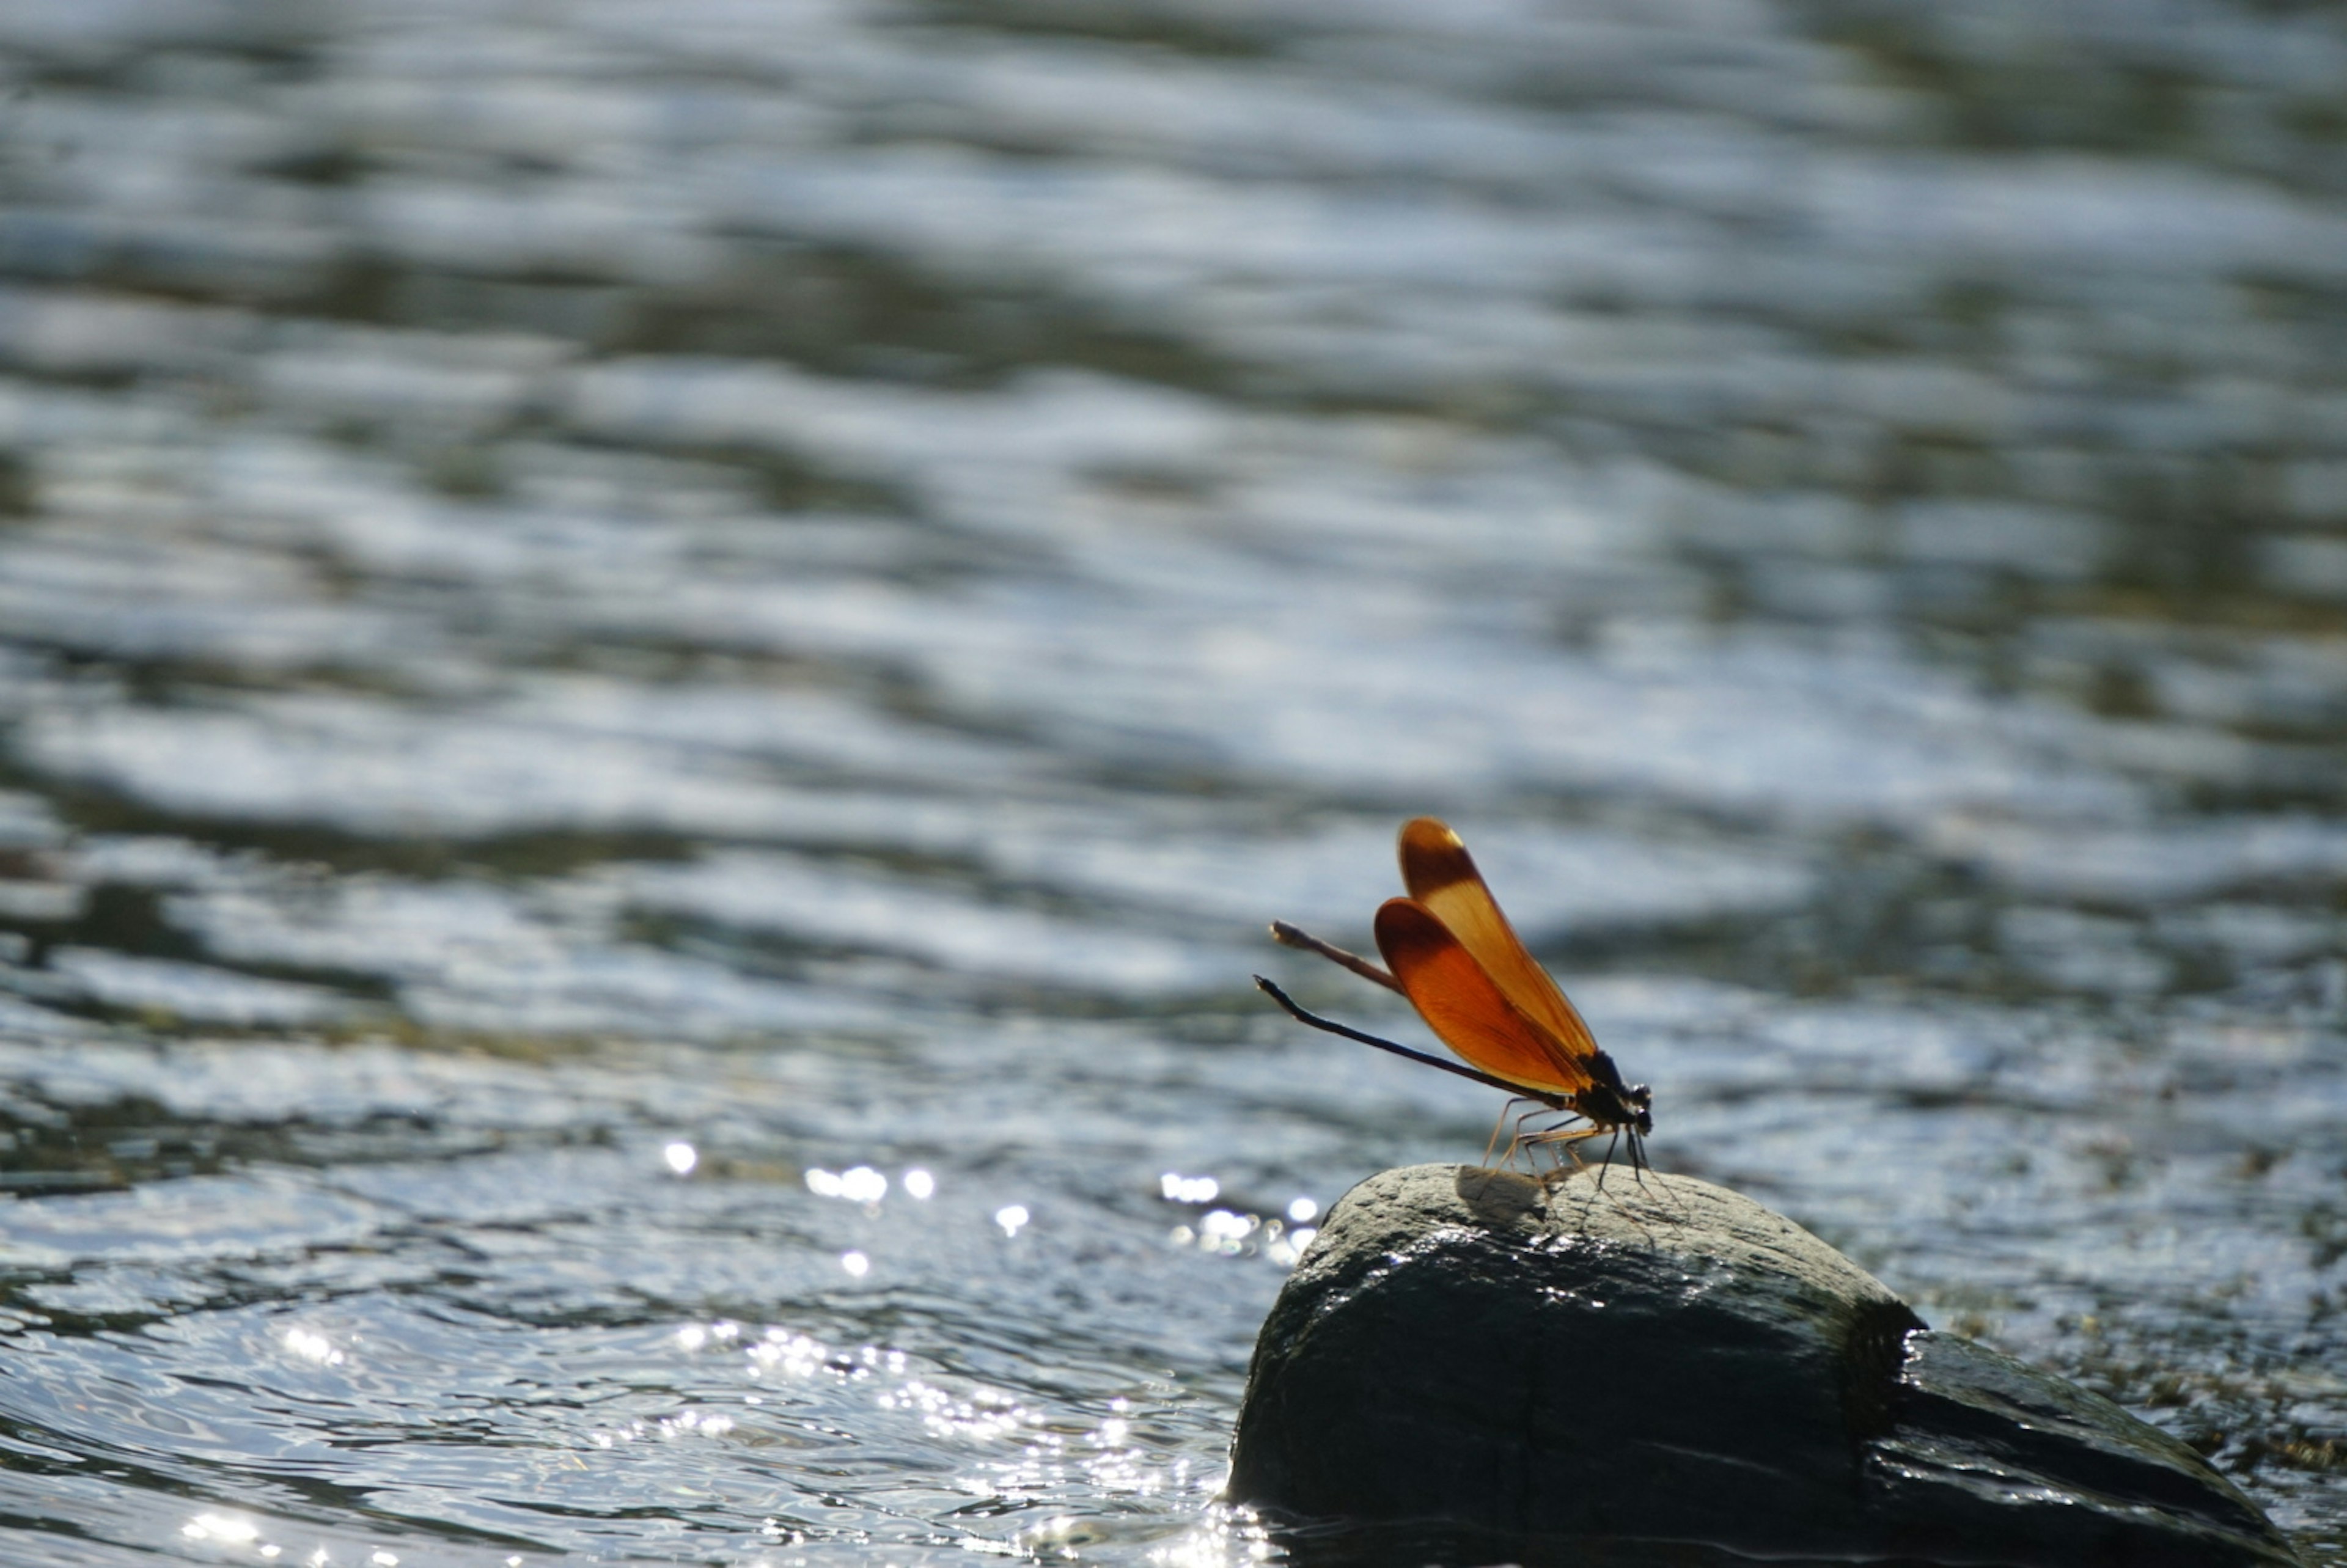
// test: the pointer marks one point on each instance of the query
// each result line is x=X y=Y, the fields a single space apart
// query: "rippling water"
x=660 y=662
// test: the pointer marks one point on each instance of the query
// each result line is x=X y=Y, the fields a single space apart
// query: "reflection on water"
x=660 y=664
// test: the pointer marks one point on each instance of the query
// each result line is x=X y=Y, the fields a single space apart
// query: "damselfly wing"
x=1453 y=954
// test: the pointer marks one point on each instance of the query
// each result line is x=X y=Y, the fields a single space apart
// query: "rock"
x=1473 y=1365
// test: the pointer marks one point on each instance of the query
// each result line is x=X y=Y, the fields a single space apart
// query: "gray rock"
x=1471 y=1366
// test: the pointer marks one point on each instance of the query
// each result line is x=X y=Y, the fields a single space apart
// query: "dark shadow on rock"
x=1500 y=1200
x=1474 y=1365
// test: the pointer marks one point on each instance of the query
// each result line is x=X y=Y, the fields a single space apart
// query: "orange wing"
x=1462 y=1004
x=1438 y=872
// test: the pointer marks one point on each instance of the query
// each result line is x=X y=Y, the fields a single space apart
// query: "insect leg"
x=1567 y=1136
x=1493 y=1142
x=1638 y=1162
x=1517 y=1140
x=1607 y=1163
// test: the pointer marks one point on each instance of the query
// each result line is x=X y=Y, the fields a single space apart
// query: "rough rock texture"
x=1556 y=1373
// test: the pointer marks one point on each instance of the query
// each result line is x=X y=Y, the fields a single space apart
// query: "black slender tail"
x=1460 y=1068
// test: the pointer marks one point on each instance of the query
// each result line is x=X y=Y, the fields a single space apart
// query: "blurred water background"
x=660 y=662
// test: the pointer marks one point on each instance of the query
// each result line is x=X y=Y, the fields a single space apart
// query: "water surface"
x=660 y=663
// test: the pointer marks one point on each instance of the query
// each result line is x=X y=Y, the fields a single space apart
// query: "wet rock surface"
x=1572 y=1373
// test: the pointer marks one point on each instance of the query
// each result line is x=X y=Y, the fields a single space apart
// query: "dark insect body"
x=1452 y=953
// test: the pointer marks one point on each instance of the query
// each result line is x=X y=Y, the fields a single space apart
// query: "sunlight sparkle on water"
x=1010 y=1217
x=225 y=1528
x=857 y=1185
x=682 y=1157
x=919 y=1184
x=1303 y=1210
x=1222 y=1229
x=687 y=1423
x=984 y=1415
x=856 y=1262
x=1229 y=1535
x=1286 y=1249
x=794 y=1355
x=1226 y=1232
x=693 y=1336
x=1181 y=1189
x=311 y=1346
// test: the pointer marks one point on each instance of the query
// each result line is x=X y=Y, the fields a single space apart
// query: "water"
x=662 y=663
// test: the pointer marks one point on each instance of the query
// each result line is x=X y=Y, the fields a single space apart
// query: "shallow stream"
x=659 y=663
